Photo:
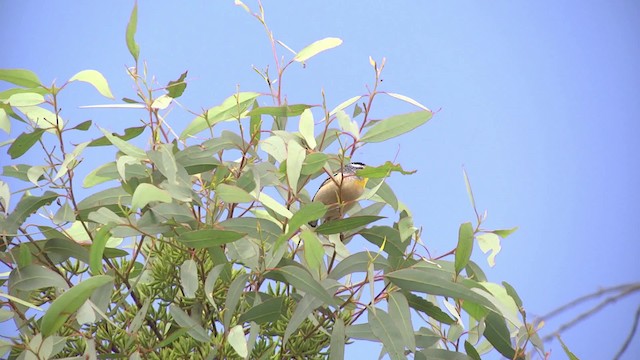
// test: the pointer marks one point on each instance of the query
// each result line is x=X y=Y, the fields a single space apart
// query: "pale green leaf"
x=347 y=125
x=274 y=146
x=234 y=293
x=409 y=100
x=237 y=341
x=337 y=340
x=295 y=159
x=33 y=277
x=64 y=214
x=146 y=193
x=399 y=312
x=162 y=102
x=306 y=128
x=97 y=248
x=232 y=194
x=316 y=48
x=274 y=205
x=96 y=79
x=233 y=107
x=183 y=319
x=208 y=238
x=313 y=250
x=302 y=280
x=383 y=327
x=395 y=126
x=189 y=278
x=42 y=118
x=34 y=174
x=124 y=146
x=345 y=104
x=489 y=242
x=5 y=122
x=26 y=99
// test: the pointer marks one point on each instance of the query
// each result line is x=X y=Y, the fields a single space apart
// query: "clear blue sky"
x=539 y=101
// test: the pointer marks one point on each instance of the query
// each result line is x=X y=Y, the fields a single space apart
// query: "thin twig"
x=632 y=333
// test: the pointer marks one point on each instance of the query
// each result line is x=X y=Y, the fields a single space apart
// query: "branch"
x=632 y=333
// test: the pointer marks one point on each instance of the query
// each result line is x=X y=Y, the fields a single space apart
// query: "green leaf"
x=313 y=249
x=233 y=107
x=129 y=134
x=428 y=279
x=146 y=193
x=467 y=183
x=183 y=319
x=236 y=288
x=345 y=104
x=97 y=248
x=313 y=163
x=316 y=48
x=302 y=280
x=26 y=206
x=5 y=122
x=70 y=301
x=20 y=77
x=358 y=262
x=261 y=229
x=389 y=236
x=64 y=214
x=199 y=239
x=567 y=352
x=26 y=99
x=306 y=127
x=96 y=79
x=237 y=341
x=440 y=354
x=24 y=142
x=383 y=171
x=109 y=171
x=401 y=316
x=124 y=146
x=284 y=110
x=409 y=100
x=471 y=351
x=505 y=232
x=512 y=292
x=465 y=246
x=175 y=88
x=33 y=277
x=384 y=328
x=395 y=126
x=268 y=311
x=419 y=304
x=342 y=225
x=134 y=48
x=337 y=340
x=497 y=333
x=83 y=126
x=308 y=212
x=233 y=194
x=67 y=248
x=189 y=278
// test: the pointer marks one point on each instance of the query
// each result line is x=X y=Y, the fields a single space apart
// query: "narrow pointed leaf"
x=24 y=142
x=210 y=237
x=69 y=302
x=316 y=48
x=497 y=333
x=233 y=194
x=237 y=341
x=134 y=48
x=267 y=311
x=183 y=319
x=396 y=126
x=96 y=79
x=465 y=246
x=20 y=77
x=383 y=327
x=342 y=225
x=129 y=133
x=337 y=340
x=302 y=280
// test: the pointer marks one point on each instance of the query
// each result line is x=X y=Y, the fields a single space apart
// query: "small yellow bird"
x=340 y=191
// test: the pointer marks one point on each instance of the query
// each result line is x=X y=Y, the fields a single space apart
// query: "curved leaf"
x=209 y=237
x=70 y=301
x=232 y=194
x=317 y=47
x=342 y=225
x=134 y=48
x=20 y=77
x=237 y=341
x=24 y=142
x=146 y=193
x=267 y=311
x=96 y=79
x=465 y=246
x=34 y=277
x=395 y=126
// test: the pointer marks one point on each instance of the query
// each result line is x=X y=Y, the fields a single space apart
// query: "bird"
x=341 y=191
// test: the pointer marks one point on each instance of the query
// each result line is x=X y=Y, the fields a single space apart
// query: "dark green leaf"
x=358 y=262
x=396 y=126
x=342 y=225
x=401 y=316
x=286 y=110
x=28 y=205
x=129 y=134
x=337 y=340
x=512 y=292
x=465 y=246
x=474 y=272
x=18 y=171
x=177 y=87
x=497 y=333
x=505 y=232
x=567 y=352
x=134 y=48
x=302 y=280
x=83 y=126
x=441 y=354
x=419 y=304
x=97 y=248
x=389 y=236
x=70 y=301
x=260 y=229
x=67 y=248
x=268 y=311
x=307 y=213
x=24 y=142
x=20 y=77
x=471 y=351
x=209 y=237
x=194 y=329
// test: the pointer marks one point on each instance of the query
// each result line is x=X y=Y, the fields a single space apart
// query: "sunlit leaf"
x=237 y=341
x=345 y=104
x=409 y=100
x=98 y=247
x=146 y=193
x=96 y=79
x=489 y=242
x=395 y=126
x=357 y=262
x=316 y=48
x=124 y=146
x=70 y=301
x=26 y=99
x=295 y=159
x=313 y=249
x=232 y=107
x=306 y=128
x=285 y=110
x=383 y=170
x=505 y=232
